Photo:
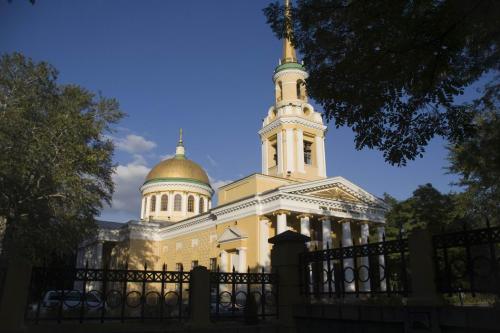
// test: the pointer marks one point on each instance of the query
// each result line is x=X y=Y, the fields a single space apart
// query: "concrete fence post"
x=423 y=276
x=424 y=300
x=199 y=293
x=286 y=263
x=14 y=298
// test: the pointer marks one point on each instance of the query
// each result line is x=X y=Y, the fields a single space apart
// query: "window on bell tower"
x=279 y=92
x=274 y=148
x=307 y=152
x=301 y=90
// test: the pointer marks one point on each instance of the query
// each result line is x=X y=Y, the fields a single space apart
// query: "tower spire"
x=288 y=49
x=180 y=151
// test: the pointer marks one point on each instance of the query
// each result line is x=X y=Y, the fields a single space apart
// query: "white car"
x=50 y=302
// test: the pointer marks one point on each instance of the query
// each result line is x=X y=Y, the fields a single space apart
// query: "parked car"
x=51 y=302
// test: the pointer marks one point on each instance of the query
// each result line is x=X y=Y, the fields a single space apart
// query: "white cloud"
x=134 y=144
x=217 y=183
x=211 y=160
x=166 y=156
x=127 y=198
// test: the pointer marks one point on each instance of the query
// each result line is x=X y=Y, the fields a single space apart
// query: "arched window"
x=190 y=204
x=153 y=203
x=202 y=206
x=301 y=91
x=164 y=203
x=279 y=91
x=177 y=203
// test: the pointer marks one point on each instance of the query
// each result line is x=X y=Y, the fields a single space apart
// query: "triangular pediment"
x=231 y=234
x=335 y=188
x=335 y=193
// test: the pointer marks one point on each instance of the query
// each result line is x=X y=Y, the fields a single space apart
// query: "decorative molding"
x=171 y=185
x=279 y=74
x=283 y=120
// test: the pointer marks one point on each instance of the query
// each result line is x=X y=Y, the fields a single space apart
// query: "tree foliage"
x=477 y=162
x=55 y=160
x=392 y=69
x=427 y=208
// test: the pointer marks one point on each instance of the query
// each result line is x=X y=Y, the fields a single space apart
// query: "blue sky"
x=205 y=66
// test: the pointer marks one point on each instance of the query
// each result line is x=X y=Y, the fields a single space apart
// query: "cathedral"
x=179 y=227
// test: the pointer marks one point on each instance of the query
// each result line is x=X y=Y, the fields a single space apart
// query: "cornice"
x=174 y=185
x=290 y=120
x=259 y=205
x=283 y=72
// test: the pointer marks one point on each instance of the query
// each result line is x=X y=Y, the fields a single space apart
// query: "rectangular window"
x=194 y=264
x=213 y=264
x=275 y=153
x=178 y=266
x=308 y=152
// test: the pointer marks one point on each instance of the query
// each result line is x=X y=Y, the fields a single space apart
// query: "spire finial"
x=288 y=49
x=180 y=151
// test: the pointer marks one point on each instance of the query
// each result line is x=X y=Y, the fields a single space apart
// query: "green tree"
x=55 y=158
x=392 y=70
x=477 y=161
x=427 y=208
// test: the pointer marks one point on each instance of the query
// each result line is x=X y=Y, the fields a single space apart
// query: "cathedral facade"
x=179 y=228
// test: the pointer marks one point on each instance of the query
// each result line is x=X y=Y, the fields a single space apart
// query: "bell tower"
x=292 y=134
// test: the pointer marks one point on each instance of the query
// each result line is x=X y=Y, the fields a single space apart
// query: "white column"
x=206 y=203
x=348 y=263
x=242 y=260
x=265 y=154
x=197 y=204
x=381 y=261
x=143 y=207
x=157 y=207
x=364 y=267
x=300 y=151
x=290 y=165
x=326 y=233
x=305 y=229
x=326 y=230
x=305 y=225
x=223 y=261
x=264 y=251
x=148 y=207
x=184 y=202
x=281 y=223
x=324 y=156
x=279 y=152
x=170 y=202
x=319 y=155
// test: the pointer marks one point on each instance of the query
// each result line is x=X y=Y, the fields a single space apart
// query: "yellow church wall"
x=248 y=226
x=184 y=249
x=249 y=186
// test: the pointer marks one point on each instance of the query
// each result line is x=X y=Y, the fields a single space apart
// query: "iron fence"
x=3 y=276
x=374 y=268
x=87 y=294
x=468 y=261
x=229 y=294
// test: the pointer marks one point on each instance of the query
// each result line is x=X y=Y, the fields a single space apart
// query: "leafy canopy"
x=393 y=70
x=55 y=160
x=477 y=162
x=427 y=208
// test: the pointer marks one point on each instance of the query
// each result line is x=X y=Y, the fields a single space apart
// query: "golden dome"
x=178 y=168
